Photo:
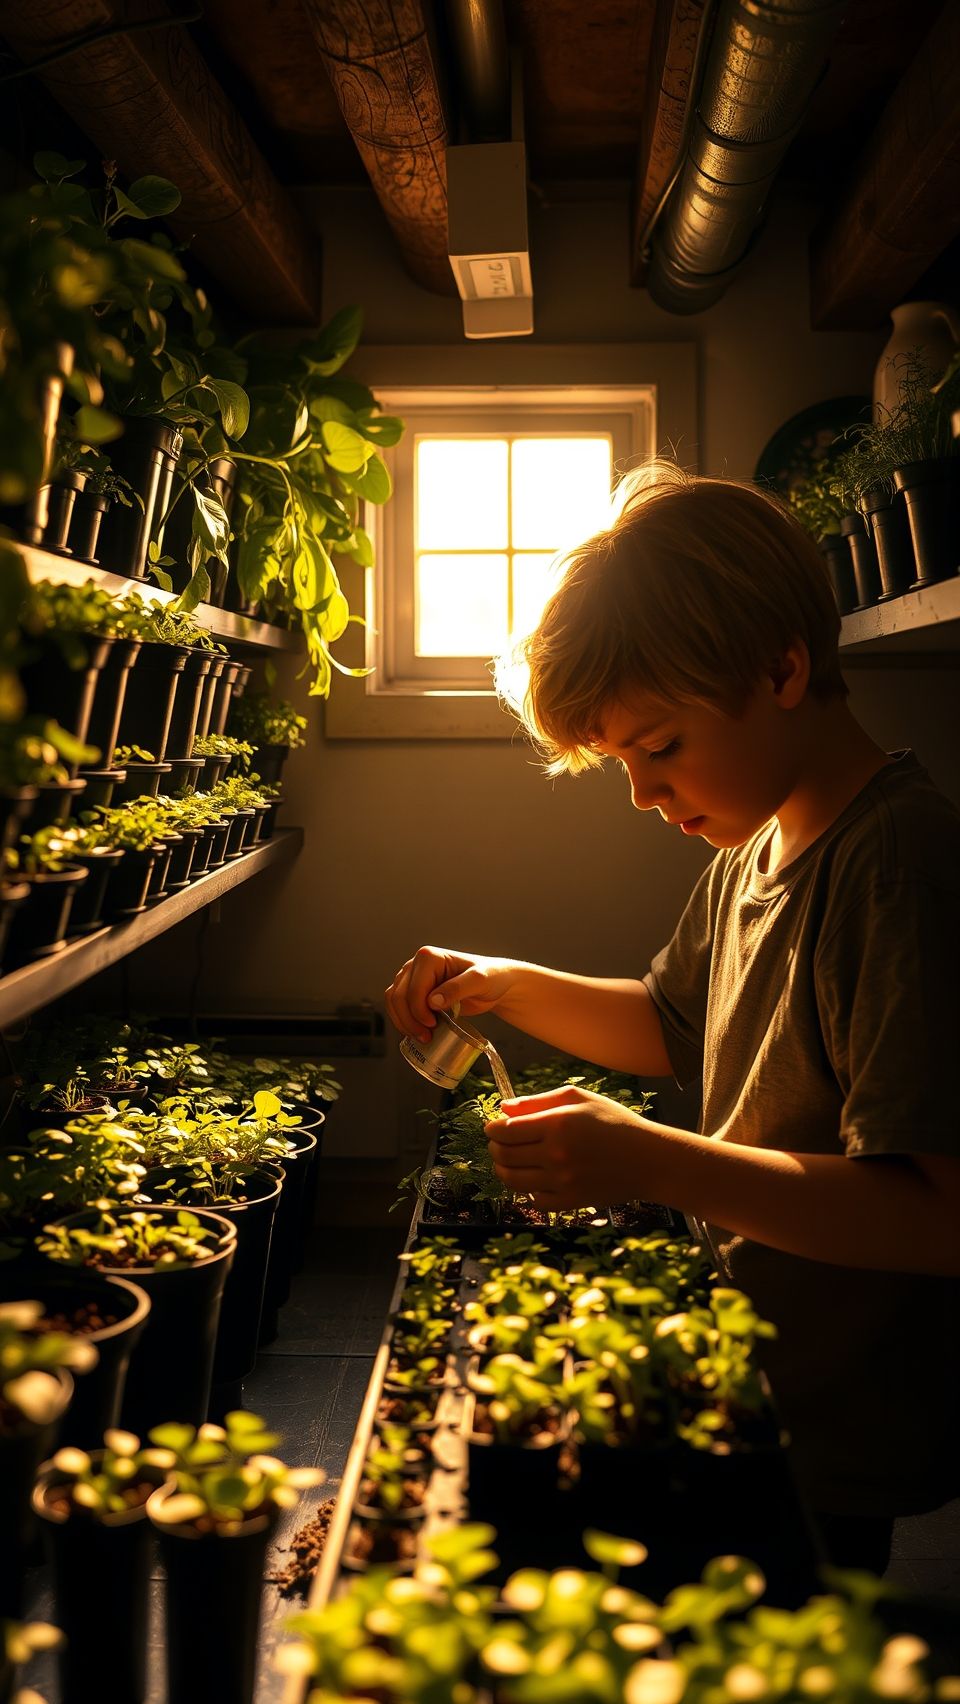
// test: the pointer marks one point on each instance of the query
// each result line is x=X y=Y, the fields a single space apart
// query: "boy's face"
x=717 y=776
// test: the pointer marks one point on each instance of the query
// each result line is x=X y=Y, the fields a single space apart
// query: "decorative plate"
x=809 y=438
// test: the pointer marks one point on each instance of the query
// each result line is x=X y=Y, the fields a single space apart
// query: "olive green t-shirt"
x=821 y=1006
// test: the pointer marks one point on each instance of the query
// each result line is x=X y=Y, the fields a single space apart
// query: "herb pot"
x=887 y=519
x=215 y=768
x=100 y=787
x=171 y=1366
x=295 y=1166
x=15 y=807
x=63 y=693
x=151 y=689
x=68 y=1295
x=184 y=774
x=157 y=885
x=127 y=884
x=218 y=843
x=86 y=913
x=252 y=1219
x=504 y=1478
x=866 y=572
x=51 y=1116
x=314 y=1123
x=931 y=491
x=48 y=396
x=59 y=497
x=240 y=825
x=631 y=1490
x=12 y=896
x=835 y=550
x=186 y=703
x=201 y=854
x=207 y=691
x=220 y=696
x=181 y=859
x=101 y=1589
x=140 y=781
x=88 y=511
x=38 y=927
x=146 y=455
x=214 y=1589
x=268 y=761
x=108 y=700
x=269 y=823
x=745 y=1503
x=53 y=803
x=23 y=1446
x=253 y=833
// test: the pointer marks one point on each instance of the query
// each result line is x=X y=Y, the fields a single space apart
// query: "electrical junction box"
x=488 y=243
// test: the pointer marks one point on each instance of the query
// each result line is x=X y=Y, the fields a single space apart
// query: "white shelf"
x=234 y=630
x=923 y=621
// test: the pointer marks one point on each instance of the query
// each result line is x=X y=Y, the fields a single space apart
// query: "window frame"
x=651 y=385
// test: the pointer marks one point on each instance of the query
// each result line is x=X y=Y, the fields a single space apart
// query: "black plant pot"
x=236 y=1350
x=186 y=704
x=108 y=700
x=836 y=553
x=207 y=694
x=181 y=859
x=268 y=826
x=503 y=1478
x=85 y=523
x=39 y=925
x=23 y=1446
x=59 y=497
x=218 y=843
x=140 y=781
x=201 y=854
x=745 y=1503
x=254 y=831
x=53 y=803
x=220 y=697
x=157 y=885
x=98 y=1393
x=127 y=885
x=631 y=1491
x=101 y=1590
x=146 y=455
x=86 y=912
x=931 y=490
x=863 y=551
x=101 y=784
x=311 y=1190
x=148 y=705
x=214 y=770
x=170 y=1368
x=31 y=521
x=268 y=761
x=240 y=825
x=12 y=896
x=286 y=1231
x=15 y=808
x=890 y=528
x=184 y=774
x=56 y=691
x=213 y=1595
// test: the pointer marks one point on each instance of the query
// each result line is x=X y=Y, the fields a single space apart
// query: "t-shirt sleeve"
x=678 y=980
x=888 y=988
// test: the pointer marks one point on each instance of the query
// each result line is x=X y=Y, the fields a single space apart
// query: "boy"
x=812 y=983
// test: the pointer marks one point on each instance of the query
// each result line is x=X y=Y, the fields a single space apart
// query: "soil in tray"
x=413 y=1499
x=377 y=1542
x=640 y=1217
x=80 y=1321
x=306 y=1548
x=412 y=1411
x=440 y=1212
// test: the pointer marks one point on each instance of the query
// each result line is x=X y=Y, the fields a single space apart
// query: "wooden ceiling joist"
x=667 y=95
x=901 y=207
x=377 y=55
x=148 y=101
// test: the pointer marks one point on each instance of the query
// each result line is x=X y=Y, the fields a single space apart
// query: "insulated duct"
x=763 y=64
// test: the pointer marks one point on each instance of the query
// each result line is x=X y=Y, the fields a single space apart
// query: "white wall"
x=467 y=844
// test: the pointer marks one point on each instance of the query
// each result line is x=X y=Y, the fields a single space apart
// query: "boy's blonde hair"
x=696 y=589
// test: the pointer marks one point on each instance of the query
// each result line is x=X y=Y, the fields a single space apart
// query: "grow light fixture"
x=487 y=236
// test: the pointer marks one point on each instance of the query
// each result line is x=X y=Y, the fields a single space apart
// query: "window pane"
x=461 y=605
x=532 y=585
x=462 y=494
x=561 y=491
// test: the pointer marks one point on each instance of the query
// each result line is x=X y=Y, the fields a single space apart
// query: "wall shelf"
x=236 y=631
x=34 y=985
x=924 y=621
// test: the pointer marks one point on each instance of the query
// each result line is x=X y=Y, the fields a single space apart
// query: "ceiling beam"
x=666 y=98
x=901 y=205
x=148 y=101
x=378 y=57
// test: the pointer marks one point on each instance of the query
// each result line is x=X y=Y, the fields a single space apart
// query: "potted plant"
x=181 y=1259
x=39 y=927
x=35 y=1389
x=134 y=830
x=273 y=727
x=214 y=1523
x=394 y=1483
x=818 y=508
x=92 y=1509
x=514 y=1425
x=919 y=440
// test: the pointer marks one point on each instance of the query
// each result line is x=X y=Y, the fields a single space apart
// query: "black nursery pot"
x=207 y=693
x=632 y=1491
x=98 y=1393
x=146 y=455
x=213 y=1595
x=505 y=1478
x=186 y=704
x=218 y=843
x=101 y=784
x=127 y=884
x=181 y=859
x=863 y=551
x=269 y=823
x=55 y=690
x=23 y=1446
x=86 y=912
x=157 y=885
x=39 y=926
x=887 y=519
x=240 y=824
x=931 y=491
x=286 y=1231
x=109 y=697
x=313 y=1121
x=171 y=1366
x=140 y=781
x=184 y=774
x=214 y=770
x=268 y=761
x=61 y=495
x=12 y=896
x=745 y=1503
x=836 y=553
x=88 y=511
x=101 y=1590
x=236 y=1350
x=220 y=697
x=15 y=808
x=151 y=689
x=53 y=803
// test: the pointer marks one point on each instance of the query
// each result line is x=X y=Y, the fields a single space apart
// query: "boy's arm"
x=894 y=1213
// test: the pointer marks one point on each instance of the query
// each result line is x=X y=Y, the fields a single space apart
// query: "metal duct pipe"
x=763 y=65
x=479 y=39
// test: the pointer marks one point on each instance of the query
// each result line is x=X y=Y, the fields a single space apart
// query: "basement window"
x=491 y=485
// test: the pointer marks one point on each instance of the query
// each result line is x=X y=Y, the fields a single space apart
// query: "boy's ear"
x=790 y=675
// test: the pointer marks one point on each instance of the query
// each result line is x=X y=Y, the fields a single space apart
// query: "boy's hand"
x=572 y=1148
x=437 y=978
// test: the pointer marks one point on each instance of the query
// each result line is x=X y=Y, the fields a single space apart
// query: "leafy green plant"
x=64 y=1096
x=62 y=1170
x=47 y=852
x=140 y=1238
x=134 y=827
x=29 y=1357
x=112 y=1479
x=263 y=720
x=125 y=754
x=518 y=1397
x=35 y=752
x=224 y=1475
x=391 y=1460
x=223 y=745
